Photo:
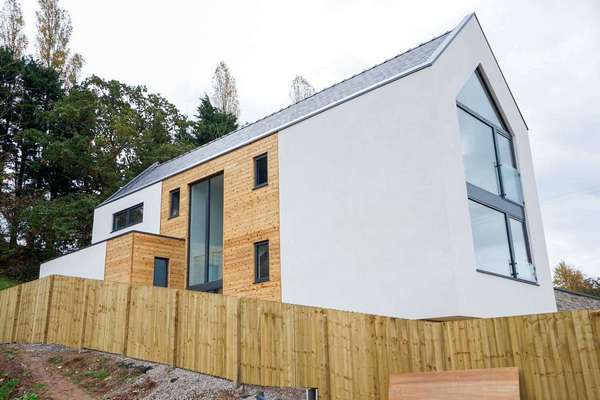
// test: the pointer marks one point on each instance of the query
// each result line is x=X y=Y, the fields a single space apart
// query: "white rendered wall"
x=85 y=263
x=103 y=216
x=374 y=213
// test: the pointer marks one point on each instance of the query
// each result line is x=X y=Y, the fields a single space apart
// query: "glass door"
x=205 y=252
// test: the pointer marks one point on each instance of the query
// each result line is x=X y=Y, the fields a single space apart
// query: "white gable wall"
x=374 y=212
x=103 y=216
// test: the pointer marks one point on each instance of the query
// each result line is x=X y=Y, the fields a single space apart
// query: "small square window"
x=261 y=175
x=161 y=272
x=174 y=203
x=261 y=261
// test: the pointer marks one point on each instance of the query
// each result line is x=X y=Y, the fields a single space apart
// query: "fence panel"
x=346 y=355
x=9 y=304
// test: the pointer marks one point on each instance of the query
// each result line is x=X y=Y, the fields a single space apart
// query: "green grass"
x=99 y=375
x=6 y=282
x=6 y=388
x=29 y=396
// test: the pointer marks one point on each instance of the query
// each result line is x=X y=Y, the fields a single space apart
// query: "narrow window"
x=161 y=272
x=131 y=216
x=261 y=176
x=174 y=203
x=261 y=261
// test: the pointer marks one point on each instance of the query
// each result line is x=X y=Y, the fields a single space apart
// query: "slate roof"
x=395 y=68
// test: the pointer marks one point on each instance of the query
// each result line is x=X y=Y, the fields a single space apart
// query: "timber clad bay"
x=249 y=215
x=345 y=355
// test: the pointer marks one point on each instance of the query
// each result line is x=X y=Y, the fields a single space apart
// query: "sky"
x=549 y=51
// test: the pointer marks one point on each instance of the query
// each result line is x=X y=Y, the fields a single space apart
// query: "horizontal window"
x=131 y=216
x=500 y=243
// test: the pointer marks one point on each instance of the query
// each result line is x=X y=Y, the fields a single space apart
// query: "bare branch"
x=300 y=89
x=224 y=91
x=11 y=28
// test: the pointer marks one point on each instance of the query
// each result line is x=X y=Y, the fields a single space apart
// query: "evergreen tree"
x=212 y=123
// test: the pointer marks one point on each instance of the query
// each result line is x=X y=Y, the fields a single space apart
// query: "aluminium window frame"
x=171 y=193
x=500 y=203
x=127 y=213
x=167 y=261
x=257 y=277
x=255 y=165
x=212 y=286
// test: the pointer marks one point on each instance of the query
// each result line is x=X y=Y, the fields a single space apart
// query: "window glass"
x=505 y=151
x=260 y=170
x=490 y=238
x=262 y=261
x=131 y=216
x=198 y=239
x=174 y=211
x=478 y=153
x=475 y=96
x=215 y=255
x=161 y=272
x=524 y=267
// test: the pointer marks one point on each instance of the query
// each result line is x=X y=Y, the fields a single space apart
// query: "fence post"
x=126 y=334
x=48 y=307
x=174 y=329
x=238 y=343
x=83 y=315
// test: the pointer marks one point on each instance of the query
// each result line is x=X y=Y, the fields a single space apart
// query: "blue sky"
x=549 y=51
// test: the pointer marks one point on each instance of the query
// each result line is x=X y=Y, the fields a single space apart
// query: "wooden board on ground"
x=471 y=384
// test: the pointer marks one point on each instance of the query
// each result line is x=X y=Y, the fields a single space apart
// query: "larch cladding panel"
x=130 y=259
x=119 y=254
x=146 y=248
x=250 y=215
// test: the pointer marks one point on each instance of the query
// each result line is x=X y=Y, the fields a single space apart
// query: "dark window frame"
x=259 y=157
x=257 y=277
x=500 y=203
x=175 y=214
x=166 y=271
x=127 y=212
x=212 y=286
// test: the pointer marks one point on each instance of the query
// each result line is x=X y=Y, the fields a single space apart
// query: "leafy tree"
x=224 y=91
x=300 y=89
x=53 y=38
x=570 y=278
x=212 y=123
x=11 y=28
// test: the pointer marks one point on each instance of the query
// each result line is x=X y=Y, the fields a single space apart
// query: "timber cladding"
x=130 y=258
x=347 y=356
x=249 y=215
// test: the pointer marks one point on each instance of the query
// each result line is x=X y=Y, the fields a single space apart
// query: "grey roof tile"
x=379 y=74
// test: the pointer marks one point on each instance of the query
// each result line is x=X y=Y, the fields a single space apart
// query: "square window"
x=261 y=261
x=261 y=175
x=161 y=272
x=174 y=203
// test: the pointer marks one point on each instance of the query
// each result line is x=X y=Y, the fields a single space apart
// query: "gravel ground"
x=168 y=383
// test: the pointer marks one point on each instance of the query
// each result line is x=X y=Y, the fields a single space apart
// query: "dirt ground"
x=49 y=372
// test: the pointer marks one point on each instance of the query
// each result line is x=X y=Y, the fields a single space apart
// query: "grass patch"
x=99 y=375
x=29 y=396
x=7 y=387
x=6 y=282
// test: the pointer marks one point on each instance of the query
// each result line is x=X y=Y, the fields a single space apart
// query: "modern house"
x=406 y=190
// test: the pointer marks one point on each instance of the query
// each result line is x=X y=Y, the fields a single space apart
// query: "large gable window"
x=131 y=216
x=493 y=186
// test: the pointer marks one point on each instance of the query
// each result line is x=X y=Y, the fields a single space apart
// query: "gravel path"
x=159 y=381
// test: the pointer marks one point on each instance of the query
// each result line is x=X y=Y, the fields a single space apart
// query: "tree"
x=212 y=123
x=300 y=89
x=224 y=91
x=53 y=37
x=11 y=28
x=570 y=278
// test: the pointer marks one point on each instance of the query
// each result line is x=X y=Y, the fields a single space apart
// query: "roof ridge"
x=305 y=99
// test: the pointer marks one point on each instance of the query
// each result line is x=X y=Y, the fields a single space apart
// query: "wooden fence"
x=345 y=355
